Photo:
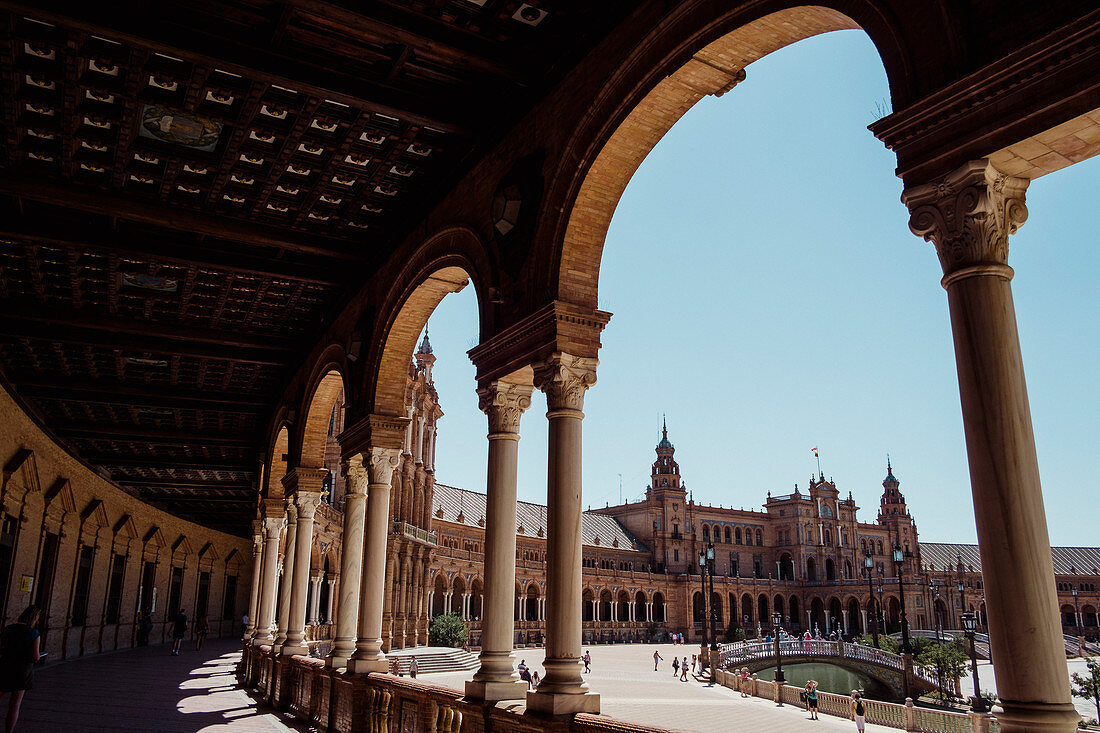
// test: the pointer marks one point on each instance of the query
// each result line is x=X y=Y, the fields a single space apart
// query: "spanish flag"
x=815 y=452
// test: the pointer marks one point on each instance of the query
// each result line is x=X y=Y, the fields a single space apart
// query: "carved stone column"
x=314 y=598
x=333 y=585
x=368 y=647
x=265 y=609
x=504 y=403
x=287 y=580
x=564 y=379
x=257 y=579
x=306 y=502
x=969 y=215
x=351 y=561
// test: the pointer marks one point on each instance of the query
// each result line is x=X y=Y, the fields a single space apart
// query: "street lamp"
x=970 y=625
x=703 y=583
x=777 y=622
x=869 y=563
x=1076 y=612
x=899 y=558
x=936 y=609
x=710 y=568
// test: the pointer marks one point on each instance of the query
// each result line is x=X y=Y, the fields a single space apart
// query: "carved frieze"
x=504 y=403
x=565 y=378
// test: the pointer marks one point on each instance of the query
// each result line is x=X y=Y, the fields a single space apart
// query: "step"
x=434 y=659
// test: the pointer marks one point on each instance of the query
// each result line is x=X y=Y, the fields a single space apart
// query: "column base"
x=1030 y=717
x=556 y=703
x=496 y=691
x=363 y=666
x=289 y=650
x=336 y=661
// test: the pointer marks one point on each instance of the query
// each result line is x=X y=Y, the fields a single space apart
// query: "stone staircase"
x=434 y=659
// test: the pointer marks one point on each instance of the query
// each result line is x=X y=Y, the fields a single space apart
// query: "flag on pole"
x=815 y=452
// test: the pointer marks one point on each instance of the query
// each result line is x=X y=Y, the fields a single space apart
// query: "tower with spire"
x=425 y=359
x=894 y=515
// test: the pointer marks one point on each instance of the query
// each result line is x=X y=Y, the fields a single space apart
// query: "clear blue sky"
x=769 y=298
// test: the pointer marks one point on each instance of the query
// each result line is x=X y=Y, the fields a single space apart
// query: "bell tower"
x=667 y=498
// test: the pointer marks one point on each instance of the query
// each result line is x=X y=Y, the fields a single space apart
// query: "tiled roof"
x=1067 y=560
x=532 y=518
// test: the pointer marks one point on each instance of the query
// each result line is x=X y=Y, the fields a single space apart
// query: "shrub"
x=734 y=633
x=447 y=630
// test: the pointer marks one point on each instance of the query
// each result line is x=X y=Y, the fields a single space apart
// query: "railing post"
x=980 y=722
x=910 y=715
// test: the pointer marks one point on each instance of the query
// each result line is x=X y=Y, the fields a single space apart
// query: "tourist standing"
x=744 y=682
x=587 y=659
x=675 y=666
x=413 y=667
x=18 y=653
x=179 y=630
x=202 y=628
x=811 y=699
x=656 y=658
x=534 y=680
x=693 y=659
x=684 y=669
x=859 y=712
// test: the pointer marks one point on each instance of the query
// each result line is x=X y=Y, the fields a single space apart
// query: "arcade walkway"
x=147 y=689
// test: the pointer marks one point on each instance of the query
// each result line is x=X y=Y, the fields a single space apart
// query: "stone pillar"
x=265 y=610
x=866 y=628
x=969 y=215
x=333 y=587
x=564 y=379
x=368 y=647
x=351 y=561
x=287 y=580
x=496 y=679
x=257 y=576
x=305 y=501
x=844 y=614
x=314 y=599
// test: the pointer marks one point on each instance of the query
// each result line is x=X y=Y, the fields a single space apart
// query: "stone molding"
x=273 y=527
x=307 y=503
x=381 y=465
x=565 y=378
x=383 y=431
x=968 y=215
x=504 y=403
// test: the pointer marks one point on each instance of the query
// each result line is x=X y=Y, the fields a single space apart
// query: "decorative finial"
x=425 y=345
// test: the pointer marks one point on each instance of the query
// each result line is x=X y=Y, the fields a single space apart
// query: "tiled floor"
x=147 y=690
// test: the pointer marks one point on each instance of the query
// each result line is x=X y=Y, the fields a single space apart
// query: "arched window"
x=828 y=539
x=717 y=533
x=737 y=535
x=863 y=545
x=880 y=547
x=706 y=533
x=727 y=535
x=759 y=537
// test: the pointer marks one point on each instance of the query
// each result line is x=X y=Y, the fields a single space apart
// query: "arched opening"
x=727 y=535
x=658 y=607
x=762 y=611
x=1088 y=615
x=532 y=604
x=796 y=618
x=698 y=613
x=836 y=616
x=786 y=567
x=817 y=616
x=327 y=397
x=278 y=464
x=324 y=593
x=587 y=603
x=830 y=569
x=476 y=592
x=622 y=612
x=439 y=596
x=605 y=605
x=811 y=570
x=854 y=618
x=893 y=613
x=737 y=535
x=716 y=607
x=1069 y=616
x=458 y=591
x=746 y=610
x=641 y=613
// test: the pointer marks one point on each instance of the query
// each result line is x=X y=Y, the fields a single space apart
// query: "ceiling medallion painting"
x=192 y=131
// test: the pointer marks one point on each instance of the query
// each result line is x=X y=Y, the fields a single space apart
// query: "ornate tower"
x=668 y=498
x=893 y=514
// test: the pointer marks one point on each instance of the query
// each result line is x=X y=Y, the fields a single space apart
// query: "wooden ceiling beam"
x=155 y=436
x=141 y=336
x=207 y=256
x=159 y=215
x=129 y=461
x=150 y=395
x=133 y=25
x=182 y=484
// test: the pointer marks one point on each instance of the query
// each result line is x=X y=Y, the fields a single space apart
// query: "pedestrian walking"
x=744 y=682
x=179 y=630
x=675 y=666
x=656 y=658
x=859 y=712
x=202 y=628
x=18 y=653
x=811 y=699
x=587 y=659
x=684 y=669
x=806 y=641
x=534 y=680
x=693 y=658
x=413 y=666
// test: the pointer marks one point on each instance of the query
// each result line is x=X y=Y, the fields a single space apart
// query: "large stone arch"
x=702 y=51
x=327 y=386
x=444 y=264
x=277 y=463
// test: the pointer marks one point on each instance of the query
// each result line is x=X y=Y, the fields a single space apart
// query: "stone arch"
x=477 y=590
x=439 y=599
x=587 y=601
x=836 y=614
x=531 y=602
x=640 y=611
x=605 y=605
x=817 y=615
x=854 y=616
x=277 y=463
x=786 y=567
x=793 y=606
x=746 y=609
x=443 y=264
x=325 y=392
x=622 y=606
x=830 y=569
x=698 y=613
x=811 y=569
x=659 y=607
x=762 y=610
x=651 y=91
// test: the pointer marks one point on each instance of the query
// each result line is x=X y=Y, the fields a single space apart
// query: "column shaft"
x=265 y=610
x=257 y=579
x=306 y=502
x=287 y=581
x=351 y=563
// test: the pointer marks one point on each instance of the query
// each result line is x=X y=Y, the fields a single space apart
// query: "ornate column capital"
x=307 y=503
x=257 y=535
x=968 y=215
x=381 y=463
x=565 y=378
x=504 y=403
x=355 y=476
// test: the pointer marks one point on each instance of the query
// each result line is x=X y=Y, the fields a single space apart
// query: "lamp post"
x=712 y=615
x=777 y=622
x=970 y=625
x=1076 y=612
x=899 y=558
x=869 y=563
x=935 y=609
x=703 y=583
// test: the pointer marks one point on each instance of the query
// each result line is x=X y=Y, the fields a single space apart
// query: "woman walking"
x=18 y=653
x=859 y=712
x=811 y=699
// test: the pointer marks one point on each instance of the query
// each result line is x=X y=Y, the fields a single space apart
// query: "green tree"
x=1087 y=686
x=447 y=630
x=734 y=632
x=886 y=643
x=948 y=660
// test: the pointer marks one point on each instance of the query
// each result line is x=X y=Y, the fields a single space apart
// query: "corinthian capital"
x=355 y=476
x=968 y=215
x=380 y=464
x=504 y=403
x=564 y=379
x=307 y=503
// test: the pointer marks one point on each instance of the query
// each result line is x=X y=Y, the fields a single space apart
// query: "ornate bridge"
x=886 y=667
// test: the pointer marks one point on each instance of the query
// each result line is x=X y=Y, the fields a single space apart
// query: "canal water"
x=832 y=679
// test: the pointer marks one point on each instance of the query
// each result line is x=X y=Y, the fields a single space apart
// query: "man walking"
x=179 y=630
x=656 y=658
x=413 y=666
